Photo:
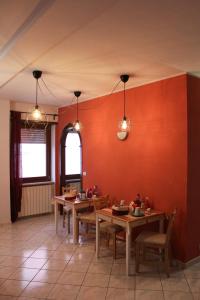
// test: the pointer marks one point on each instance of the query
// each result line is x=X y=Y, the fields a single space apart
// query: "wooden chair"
x=67 y=211
x=105 y=227
x=159 y=241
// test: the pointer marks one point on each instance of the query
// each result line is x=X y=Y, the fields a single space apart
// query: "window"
x=71 y=156
x=35 y=153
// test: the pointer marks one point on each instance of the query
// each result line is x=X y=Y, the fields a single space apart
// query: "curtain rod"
x=27 y=112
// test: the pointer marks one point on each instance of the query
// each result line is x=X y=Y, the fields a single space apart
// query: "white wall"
x=4 y=161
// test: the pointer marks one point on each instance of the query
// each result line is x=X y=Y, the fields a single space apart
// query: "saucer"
x=140 y=215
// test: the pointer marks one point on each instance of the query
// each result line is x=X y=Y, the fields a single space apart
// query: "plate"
x=140 y=215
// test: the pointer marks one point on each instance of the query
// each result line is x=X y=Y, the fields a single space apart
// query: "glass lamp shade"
x=124 y=124
x=36 y=113
x=77 y=125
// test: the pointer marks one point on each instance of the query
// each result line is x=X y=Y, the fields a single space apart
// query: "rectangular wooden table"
x=75 y=206
x=128 y=222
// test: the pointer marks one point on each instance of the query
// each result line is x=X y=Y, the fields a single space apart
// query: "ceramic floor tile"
x=71 y=278
x=84 y=257
x=77 y=266
x=47 y=276
x=100 y=268
x=149 y=295
x=34 y=263
x=119 y=294
x=4 y=297
x=194 y=284
x=55 y=264
x=175 y=284
x=5 y=272
x=178 y=296
x=13 y=287
x=37 y=290
x=125 y=282
x=96 y=293
x=192 y=273
x=100 y=280
x=148 y=283
x=29 y=298
x=196 y=296
x=24 y=274
x=120 y=269
x=42 y=254
x=12 y=261
x=65 y=255
x=64 y=292
x=1 y=280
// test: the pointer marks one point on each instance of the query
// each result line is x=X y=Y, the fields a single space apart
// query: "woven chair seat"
x=87 y=217
x=149 y=237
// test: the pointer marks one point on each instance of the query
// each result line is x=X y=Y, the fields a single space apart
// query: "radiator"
x=36 y=200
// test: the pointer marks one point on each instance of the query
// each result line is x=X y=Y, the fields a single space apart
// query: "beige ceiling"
x=87 y=44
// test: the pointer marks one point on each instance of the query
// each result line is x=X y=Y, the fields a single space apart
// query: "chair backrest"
x=101 y=202
x=65 y=189
x=170 y=218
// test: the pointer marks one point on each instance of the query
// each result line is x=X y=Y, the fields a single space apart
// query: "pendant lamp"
x=77 y=125
x=124 y=124
x=37 y=115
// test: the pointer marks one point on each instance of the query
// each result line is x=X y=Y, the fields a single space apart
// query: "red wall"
x=193 y=167
x=152 y=161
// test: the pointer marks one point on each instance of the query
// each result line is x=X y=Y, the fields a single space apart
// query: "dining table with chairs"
x=101 y=215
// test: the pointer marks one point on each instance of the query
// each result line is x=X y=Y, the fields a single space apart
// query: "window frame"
x=48 y=153
x=64 y=179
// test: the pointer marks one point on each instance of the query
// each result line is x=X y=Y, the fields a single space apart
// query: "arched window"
x=71 y=156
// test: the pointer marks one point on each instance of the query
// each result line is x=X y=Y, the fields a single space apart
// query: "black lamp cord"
x=77 y=108
x=36 y=100
x=124 y=102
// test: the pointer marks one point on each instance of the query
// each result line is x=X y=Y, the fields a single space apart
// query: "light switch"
x=84 y=173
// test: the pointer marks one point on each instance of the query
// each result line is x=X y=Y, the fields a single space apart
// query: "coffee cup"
x=122 y=202
x=137 y=211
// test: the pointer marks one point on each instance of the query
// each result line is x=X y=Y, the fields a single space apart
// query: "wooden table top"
x=130 y=218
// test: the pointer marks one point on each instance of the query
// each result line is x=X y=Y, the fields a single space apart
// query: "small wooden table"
x=128 y=222
x=75 y=206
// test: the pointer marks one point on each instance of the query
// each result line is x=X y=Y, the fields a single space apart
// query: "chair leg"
x=137 y=257
x=114 y=245
x=64 y=215
x=68 y=223
x=166 y=258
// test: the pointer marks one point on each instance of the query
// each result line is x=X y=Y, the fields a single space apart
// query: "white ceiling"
x=86 y=44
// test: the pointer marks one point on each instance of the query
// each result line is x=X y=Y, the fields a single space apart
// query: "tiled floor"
x=35 y=263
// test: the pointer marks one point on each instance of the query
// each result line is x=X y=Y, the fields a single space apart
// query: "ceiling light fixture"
x=77 y=125
x=124 y=124
x=37 y=115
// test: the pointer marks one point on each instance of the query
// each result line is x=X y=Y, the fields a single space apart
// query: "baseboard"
x=182 y=265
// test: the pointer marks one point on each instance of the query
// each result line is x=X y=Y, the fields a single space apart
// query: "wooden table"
x=128 y=222
x=75 y=206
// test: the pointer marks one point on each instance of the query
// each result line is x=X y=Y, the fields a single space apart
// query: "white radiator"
x=36 y=200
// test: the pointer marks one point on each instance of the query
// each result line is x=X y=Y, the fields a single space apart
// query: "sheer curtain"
x=15 y=164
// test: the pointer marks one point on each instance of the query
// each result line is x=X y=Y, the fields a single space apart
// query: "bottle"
x=95 y=190
x=137 y=200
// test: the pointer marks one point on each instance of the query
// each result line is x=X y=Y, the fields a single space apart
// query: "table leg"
x=161 y=225
x=56 y=215
x=97 y=236
x=75 y=226
x=128 y=248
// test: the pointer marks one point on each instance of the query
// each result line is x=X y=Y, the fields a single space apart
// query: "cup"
x=122 y=202
x=137 y=211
